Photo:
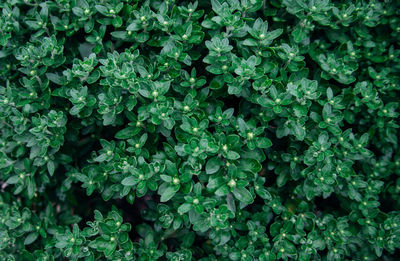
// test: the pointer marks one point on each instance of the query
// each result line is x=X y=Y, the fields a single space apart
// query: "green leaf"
x=51 y=167
x=166 y=178
x=263 y=142
x=167 y=194
x=13 y=179
x=264 y=194
x=30 y=238
x=297 y=130
x=117 y=22
x=129 y=181
x=184 y=208
x=222 y=191
x=243 y=195
x=213 y=165
x=127 y=133
x=232 y=155
x=251 y=165
x=55 y=78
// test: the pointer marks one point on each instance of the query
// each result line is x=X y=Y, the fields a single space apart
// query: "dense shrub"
x=207 y=130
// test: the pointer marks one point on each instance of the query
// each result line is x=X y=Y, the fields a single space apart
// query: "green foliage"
x=199 y=130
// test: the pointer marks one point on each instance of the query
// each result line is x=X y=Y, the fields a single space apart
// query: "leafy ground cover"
x=199 y=130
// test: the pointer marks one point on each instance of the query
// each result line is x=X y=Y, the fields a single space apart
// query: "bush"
x=207 y=130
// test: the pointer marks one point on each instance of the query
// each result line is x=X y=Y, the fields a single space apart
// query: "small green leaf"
x=243 y=195
x=30 y=238
x=263 y=142
x=50 y=167
x=13 y=179
x=213 y=165
x=185 y=207
x=129 y=181
x=127 y=133
x=167 y=194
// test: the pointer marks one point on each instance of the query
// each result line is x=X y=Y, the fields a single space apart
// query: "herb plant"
x=199 y=130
